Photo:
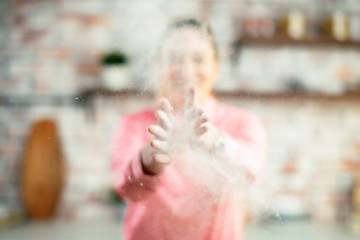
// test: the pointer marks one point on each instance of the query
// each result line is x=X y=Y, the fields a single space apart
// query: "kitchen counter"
x=298 y=230
x=111 y=230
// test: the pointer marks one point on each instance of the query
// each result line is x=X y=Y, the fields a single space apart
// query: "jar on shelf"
x=267 y=23
x=258 y=22
x=250 y=23
x=340 y=25
x=295 y=23
x=337 y=23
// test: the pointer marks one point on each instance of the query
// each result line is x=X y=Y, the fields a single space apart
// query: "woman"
x=182 y=166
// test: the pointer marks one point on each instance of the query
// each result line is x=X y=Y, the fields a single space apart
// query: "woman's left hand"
x=201 y=132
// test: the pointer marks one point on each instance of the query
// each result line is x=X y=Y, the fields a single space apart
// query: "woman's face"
x=187 y=59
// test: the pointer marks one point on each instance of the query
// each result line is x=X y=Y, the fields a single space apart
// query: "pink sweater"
x=183 y=204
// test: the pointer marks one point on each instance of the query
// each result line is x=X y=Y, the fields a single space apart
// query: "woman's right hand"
x=156 y=154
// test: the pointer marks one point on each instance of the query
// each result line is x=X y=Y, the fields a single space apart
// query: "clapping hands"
x=175 y=133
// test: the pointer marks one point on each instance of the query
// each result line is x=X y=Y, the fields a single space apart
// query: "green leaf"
x=114 y=58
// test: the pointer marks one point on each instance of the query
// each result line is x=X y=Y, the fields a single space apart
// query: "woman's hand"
x=156 y=154
x=202 y=133
x=175 y=134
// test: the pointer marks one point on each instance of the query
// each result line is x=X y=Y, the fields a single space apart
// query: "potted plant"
x=115 y=72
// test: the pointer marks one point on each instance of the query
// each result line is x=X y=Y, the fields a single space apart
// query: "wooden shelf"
x=285 y=41
x=281 y=96
x=131 y=92
x=290 y=96
x=29 y=100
